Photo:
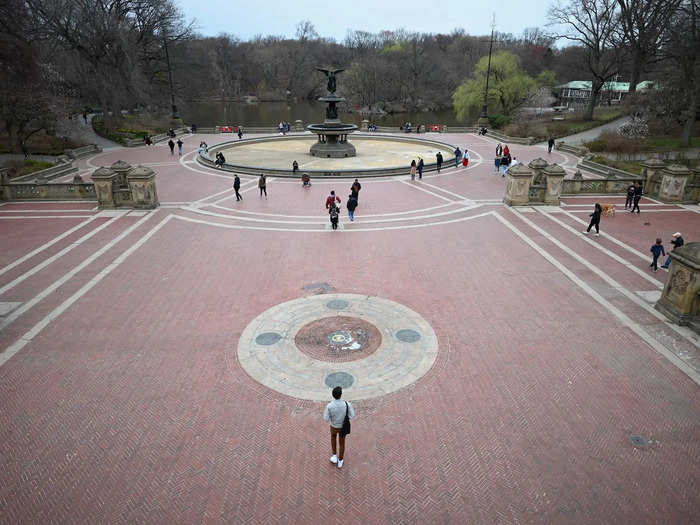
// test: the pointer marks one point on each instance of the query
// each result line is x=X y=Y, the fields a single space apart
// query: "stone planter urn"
x=680 y=300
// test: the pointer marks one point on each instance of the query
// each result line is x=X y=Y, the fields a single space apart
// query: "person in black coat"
x=595 y=220
x=237 y=186
x=438 y=157
x=637 y=197
x=351 y=204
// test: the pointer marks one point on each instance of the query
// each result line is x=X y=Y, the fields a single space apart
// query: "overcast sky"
x=333 y=18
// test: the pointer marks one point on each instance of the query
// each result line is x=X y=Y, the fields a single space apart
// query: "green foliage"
x=499 y=121
x=509 y=87
x=624 y=165
x=546 y=79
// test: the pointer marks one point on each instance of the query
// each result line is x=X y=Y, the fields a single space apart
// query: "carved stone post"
x=364 y=125
x=518 y=181
x=120 y=168
x=538 y=165
x=673 y=181
x=298 y=125
x=554 y=175
x=578 y=181
x=680 y=300
x=142 y=183
x=104 y=181
x=651 y=168
x=695 y=177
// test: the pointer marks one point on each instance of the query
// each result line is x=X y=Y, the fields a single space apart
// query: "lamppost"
x=484 y=118
x=170 y=76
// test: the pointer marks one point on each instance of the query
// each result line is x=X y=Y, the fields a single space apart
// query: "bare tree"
x=643 y=24
x=592 y=24
x=682 y=79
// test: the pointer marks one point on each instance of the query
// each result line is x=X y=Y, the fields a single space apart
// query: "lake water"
x=271 y=113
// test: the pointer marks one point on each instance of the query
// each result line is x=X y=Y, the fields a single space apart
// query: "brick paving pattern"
x=557 y=394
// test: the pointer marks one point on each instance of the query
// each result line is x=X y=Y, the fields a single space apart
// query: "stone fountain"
x=332 y=134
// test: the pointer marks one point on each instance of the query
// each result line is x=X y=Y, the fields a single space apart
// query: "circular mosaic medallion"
x=303 y=348
x=338 y=339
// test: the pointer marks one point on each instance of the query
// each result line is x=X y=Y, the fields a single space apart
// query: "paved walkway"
x=592 y=134
x=81 y=131
x=504 y=367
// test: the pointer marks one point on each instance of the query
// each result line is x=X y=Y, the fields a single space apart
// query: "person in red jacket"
x=331 y=200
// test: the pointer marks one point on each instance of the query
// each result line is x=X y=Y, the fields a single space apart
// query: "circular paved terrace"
x=376 y=152
x=555 y=393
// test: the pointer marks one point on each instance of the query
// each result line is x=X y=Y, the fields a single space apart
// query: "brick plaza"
x=557 y=393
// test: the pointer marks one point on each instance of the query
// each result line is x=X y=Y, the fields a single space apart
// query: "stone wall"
x=48 y=191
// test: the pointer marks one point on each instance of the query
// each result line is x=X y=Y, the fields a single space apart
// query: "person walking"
x=295 y=166
x=171 y=145
x=677 y=243
x=336 y=413
x=179 y=147
x=237 y=186
x=351 y=205
x=550 y=145
x=262 y=184
x=240 y=132
x=331 y=200
x=334 y=212
x=630 y=196
x=499 y=150
x=458 y=157
x=438 y=157
x=595 y=220
x=355 y=190
x=657 y=250
x=420 y=167
x=413 y=169
x=465 y=158
x=637 y=197
x=505 y=162
x=497 y=164
x=506 y=150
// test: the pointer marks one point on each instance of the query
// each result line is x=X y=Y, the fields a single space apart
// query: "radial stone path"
x=375 y=347
x=172 y=366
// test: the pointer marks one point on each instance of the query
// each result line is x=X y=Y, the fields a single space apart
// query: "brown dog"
x=608 y=209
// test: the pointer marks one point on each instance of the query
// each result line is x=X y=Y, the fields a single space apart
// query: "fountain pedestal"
x=332 y=134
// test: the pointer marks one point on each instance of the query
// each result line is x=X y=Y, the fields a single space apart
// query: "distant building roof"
x=608 y=86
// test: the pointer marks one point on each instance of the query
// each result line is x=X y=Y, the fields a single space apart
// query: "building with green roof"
x=578 y=92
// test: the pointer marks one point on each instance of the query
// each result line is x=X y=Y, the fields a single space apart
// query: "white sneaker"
x=584 y=232
x=334 y=459
x=340 y=463
x=597 y=234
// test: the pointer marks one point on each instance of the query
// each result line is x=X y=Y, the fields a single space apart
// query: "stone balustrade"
x=122 y=185
x=680 y=299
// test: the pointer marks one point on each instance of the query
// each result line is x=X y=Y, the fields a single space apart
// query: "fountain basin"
x=376 y=155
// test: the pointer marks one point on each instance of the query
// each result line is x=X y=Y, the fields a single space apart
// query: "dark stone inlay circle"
x=268 y=338
x=638 y=441
x=341 y=379
x=338 y=339
x=337 y=304
x=407 y=335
